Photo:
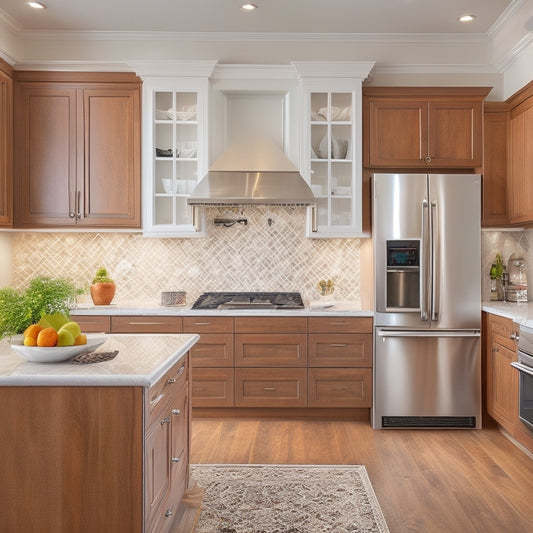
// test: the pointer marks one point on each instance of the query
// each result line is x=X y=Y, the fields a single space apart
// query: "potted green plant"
x=103 y=288
x=496 y=276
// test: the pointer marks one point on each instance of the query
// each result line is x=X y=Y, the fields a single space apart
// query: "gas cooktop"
x=249 y=300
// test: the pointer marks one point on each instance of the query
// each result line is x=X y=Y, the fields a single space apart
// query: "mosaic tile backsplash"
x=260 y=256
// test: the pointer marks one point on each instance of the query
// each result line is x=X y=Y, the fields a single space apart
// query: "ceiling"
x=272 y=16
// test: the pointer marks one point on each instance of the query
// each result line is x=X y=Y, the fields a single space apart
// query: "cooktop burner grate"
x=249 y=300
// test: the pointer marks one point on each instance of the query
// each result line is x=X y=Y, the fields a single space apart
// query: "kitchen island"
x=96 y=447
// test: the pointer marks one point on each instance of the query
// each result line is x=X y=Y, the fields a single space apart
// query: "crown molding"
x=502 y=63
x=253 y=72
x=11 y=23
x=78 y=66
x=171 y=67
x=414 y=68
x=333 y=69
x=507 y=14
x=68 y=35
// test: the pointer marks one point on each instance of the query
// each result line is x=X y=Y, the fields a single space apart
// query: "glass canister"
x=516 y=290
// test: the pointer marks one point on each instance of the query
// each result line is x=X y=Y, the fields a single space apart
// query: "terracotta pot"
x=102 y=293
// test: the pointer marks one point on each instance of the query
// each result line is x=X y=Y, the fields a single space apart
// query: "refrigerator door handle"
x=434 y=262
x=424 y=312
x=387 y=333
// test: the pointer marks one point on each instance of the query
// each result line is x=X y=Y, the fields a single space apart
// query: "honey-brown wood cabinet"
x=77 y=150
x=421 y=127
x=6 y=145
x=495 y=165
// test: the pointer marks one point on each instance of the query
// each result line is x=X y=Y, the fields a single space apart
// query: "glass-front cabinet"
x=331 y=154
x=175 y=133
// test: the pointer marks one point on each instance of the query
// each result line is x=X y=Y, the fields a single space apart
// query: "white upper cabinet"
x=331 y=144
x=175 y=147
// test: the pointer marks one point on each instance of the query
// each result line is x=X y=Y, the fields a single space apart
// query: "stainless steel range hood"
x=252 y=172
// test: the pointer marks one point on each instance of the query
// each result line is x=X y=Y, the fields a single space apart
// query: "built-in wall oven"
x=525 y=366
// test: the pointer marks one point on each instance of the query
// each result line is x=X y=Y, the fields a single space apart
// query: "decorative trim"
x=251 y=36
x=333 y=69
x=6 y=58
x=10 y=22
x=246 y=71
x=504 y=18
x=78 y=66
x=502 y=63
x=171 y=67
x=413 y=68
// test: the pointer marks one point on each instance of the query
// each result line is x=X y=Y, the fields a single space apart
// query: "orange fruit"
x=80 y=339
x=47 y=337
x=30 y=341
x=32 y=332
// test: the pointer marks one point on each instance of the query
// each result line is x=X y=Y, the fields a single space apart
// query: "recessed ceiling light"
x=248 y=7
x=36 y=5
x=467 y=18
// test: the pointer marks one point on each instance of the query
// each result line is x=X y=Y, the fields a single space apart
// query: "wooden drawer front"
x=146 y=324
x=212 y=387
x=93 y=323
x=207 y=324
x=270 y=350
x=270 y=324
x=501 y=330
x=340 y=387
x=212 y=350
x=340 y=324
x=340 y=350
x=265 y=387
x=161 y=392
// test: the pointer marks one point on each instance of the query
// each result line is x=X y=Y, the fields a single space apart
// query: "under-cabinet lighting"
x=467 y=18
x=248 y=7
x=36 y=5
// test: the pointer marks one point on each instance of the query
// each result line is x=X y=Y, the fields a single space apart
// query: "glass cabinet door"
x=175 y=157
x=332 y=168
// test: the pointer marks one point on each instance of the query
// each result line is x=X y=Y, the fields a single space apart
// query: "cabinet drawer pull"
x=175 y=460
x=176 y=412
x=171 y=380
x=338 y=323
x=180 y=371
x=198 y=389
x=168 y=513
x=269 y=388
x=146 y=323
x=202 y=323
x=339 y=388
x=514 y=336
x=427 y=159
x=165 y=420
x=338 y=345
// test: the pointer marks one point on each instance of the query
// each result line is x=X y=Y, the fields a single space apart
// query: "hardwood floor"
x=428 y=481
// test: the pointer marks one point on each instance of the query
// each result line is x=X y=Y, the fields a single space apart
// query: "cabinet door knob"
x=165 y=420
x=427 y=159
x=176 y=411
x=175 y=460
x=515 y=336
x=168 y=513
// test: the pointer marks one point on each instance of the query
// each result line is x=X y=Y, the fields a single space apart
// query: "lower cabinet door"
x=270 y=387
x=340 y=387
x=212 y=387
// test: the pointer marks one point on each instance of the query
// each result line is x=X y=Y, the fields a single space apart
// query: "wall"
x=255 y=257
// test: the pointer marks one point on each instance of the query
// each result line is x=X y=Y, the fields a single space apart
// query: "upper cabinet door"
x=45 y=156
x=417 y=127
x=6 y=149
x=111 y=157
x=455 y=134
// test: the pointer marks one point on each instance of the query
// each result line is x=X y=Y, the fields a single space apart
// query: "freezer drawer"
x=427 y=379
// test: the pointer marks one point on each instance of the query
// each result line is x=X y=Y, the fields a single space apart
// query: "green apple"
x=64 y=338
x=72 y=327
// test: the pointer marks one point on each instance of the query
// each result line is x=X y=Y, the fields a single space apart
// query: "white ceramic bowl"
x=167 y=185
x=54 y=354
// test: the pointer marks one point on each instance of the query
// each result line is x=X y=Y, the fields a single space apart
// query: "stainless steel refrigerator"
x=427 y=272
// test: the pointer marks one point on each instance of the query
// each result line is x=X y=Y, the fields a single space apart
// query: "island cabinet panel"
x=213 y=387
x=271 y=387
x=78 y=460
x=340 y=350
x=93 y=323
x=340 y=387
x=269 y=324
x=146 y=324
x=272 y=350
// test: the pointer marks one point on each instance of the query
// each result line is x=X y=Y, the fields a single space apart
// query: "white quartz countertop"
x=141 y=360
x=521 y=313
x=338 y=308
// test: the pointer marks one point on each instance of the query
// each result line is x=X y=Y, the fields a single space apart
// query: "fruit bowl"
x=54 y=354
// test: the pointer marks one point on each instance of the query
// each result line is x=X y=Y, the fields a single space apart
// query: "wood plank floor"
x=428 y=481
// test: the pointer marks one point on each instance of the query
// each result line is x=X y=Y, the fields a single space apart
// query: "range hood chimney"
x=252 y=171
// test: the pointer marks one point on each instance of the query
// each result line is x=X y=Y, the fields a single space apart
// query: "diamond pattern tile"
x=264 y=256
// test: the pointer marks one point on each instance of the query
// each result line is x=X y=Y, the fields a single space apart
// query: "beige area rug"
x=287 y=499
